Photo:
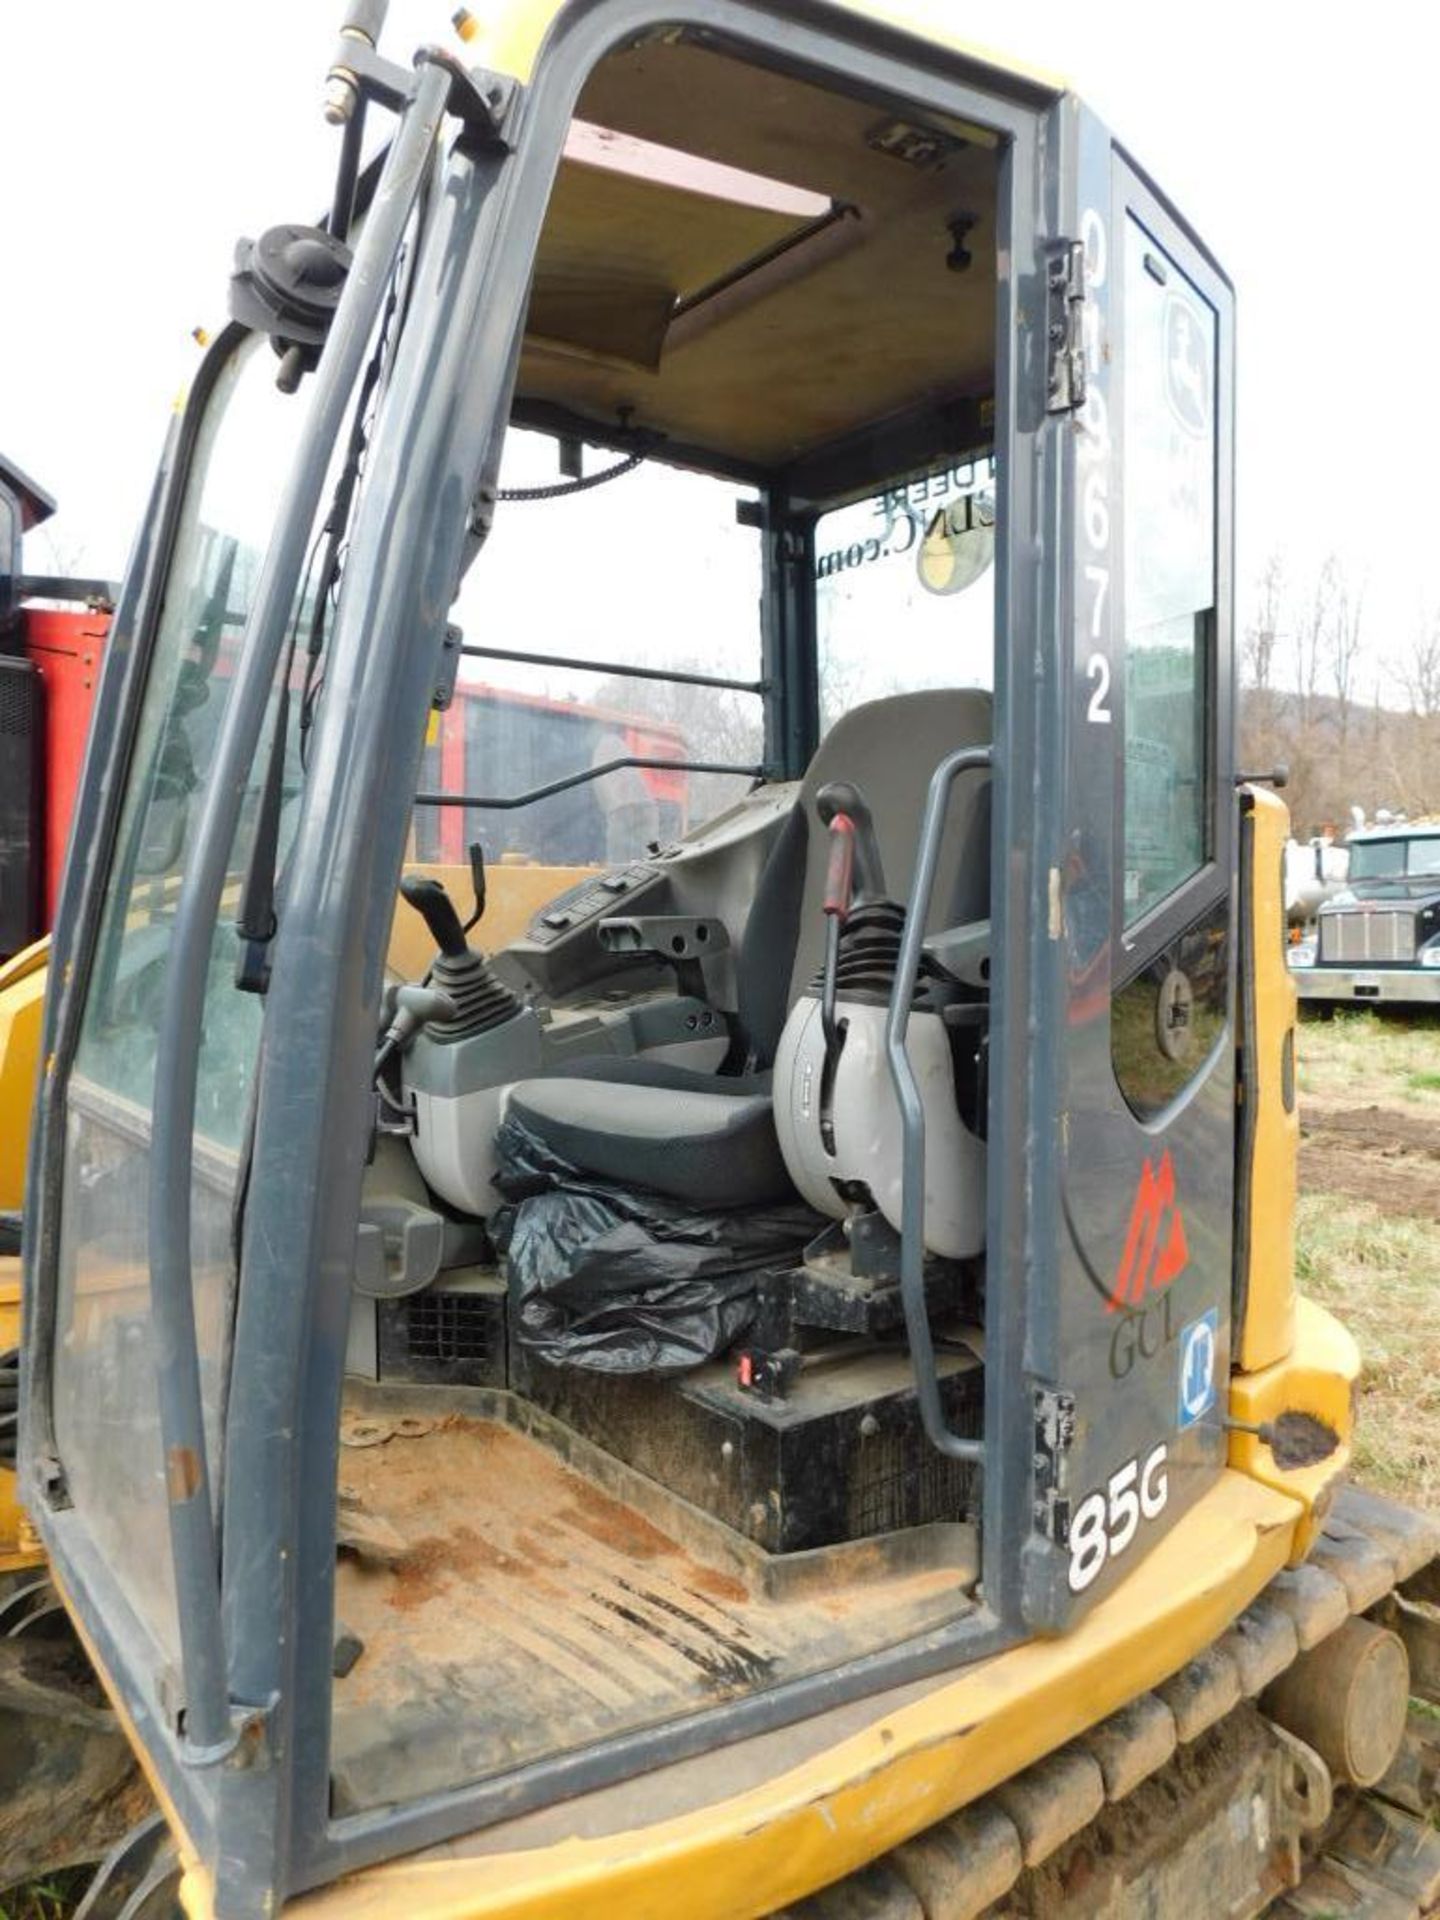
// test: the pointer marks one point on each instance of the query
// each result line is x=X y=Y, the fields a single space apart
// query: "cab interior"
x=631 y=1430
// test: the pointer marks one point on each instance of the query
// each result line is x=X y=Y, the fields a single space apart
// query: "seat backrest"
x=889 y=749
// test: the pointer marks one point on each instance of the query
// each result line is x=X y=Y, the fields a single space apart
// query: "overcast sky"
x=140 y=142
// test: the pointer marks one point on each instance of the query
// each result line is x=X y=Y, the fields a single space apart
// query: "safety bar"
x=912 y=1109
x=580 y=779
x=671 y=676
x=61 y=586
x=208 y=1733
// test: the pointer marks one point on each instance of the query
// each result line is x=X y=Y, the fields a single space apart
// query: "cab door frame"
x=1133 y=1268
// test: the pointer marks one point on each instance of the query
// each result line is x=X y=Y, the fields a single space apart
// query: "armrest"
x=963 y=953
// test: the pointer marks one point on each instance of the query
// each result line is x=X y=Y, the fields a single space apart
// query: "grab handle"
x=912 y=1109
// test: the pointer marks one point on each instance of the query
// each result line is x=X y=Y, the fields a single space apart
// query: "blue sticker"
x=1199 y=1343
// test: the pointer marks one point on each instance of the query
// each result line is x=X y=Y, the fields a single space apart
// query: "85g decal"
x=1106 y=1522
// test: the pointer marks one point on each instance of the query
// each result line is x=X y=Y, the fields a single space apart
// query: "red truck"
x=52 y=633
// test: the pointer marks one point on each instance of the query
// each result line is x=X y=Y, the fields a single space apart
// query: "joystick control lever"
x=837 y=800
x=854 y=857
x=437 y=910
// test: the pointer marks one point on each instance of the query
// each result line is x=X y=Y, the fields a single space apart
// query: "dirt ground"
x=1368 y=1226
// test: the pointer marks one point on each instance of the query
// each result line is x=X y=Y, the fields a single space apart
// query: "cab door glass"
x=106 y=1409
x=905 y=588
x=1169 y=544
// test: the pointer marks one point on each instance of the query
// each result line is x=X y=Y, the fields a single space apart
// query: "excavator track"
x=1195 y=1800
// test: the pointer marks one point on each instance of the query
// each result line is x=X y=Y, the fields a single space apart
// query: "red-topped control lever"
x=840 y=874
x=841 y=800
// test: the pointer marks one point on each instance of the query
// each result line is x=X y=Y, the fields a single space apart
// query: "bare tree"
x=1343 y=647
x=1257 y=655
x=1415 y=752
x=716 y=724
x=1309 y=637
x=1305 y=680
x=1419 y=671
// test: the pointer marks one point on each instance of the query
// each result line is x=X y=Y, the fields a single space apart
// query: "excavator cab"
x=639 y=1240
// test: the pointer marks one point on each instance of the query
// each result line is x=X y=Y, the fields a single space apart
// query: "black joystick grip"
x=434 y=906
x=841 y=796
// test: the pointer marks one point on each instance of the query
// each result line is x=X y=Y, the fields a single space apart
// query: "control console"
x=588 y=900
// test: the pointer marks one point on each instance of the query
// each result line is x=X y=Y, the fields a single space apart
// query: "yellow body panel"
x=1317 y=1377
x=925 y=1753
x=22 y=997
x=1269 y=1324
x=508 y=34
x=19 y=1547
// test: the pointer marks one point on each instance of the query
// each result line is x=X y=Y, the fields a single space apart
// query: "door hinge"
x=1064 y=327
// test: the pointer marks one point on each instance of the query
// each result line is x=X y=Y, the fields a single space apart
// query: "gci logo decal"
x=1155 y=1245
x=1199 y=1343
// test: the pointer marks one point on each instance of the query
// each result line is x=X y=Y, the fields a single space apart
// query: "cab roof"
x=760 y=272
x=507 y=35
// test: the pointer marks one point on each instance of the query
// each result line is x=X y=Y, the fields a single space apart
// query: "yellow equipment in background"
x=22 y=987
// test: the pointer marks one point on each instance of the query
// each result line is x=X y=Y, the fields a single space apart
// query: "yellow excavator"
x=775 y=1383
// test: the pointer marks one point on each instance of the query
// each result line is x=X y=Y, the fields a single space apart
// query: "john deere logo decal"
x=1187 y=368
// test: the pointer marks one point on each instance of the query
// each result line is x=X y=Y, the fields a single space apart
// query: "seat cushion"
x=705 y=1140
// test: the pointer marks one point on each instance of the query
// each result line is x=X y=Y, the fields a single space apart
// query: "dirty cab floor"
x=517 y=1594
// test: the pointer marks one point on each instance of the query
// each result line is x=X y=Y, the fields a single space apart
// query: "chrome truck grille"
x=1360 y=938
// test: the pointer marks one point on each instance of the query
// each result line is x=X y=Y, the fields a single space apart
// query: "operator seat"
x=709 y=1139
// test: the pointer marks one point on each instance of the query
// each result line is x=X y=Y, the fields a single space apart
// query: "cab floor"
x=518 y=1594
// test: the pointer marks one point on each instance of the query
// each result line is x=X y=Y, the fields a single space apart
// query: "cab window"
x=1169 y=536
x=652 y=569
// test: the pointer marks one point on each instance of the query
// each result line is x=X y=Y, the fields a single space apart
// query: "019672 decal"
x=1106 y=1522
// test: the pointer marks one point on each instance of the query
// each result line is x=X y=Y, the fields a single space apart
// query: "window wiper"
x=258 y=922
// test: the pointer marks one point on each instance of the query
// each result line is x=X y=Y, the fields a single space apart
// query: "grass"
x=1379 y=1274
x=1389 y=1059
x=1379 y=1271
x=52 y=1898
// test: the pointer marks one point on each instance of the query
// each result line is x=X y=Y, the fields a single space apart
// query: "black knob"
x=434 y=906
